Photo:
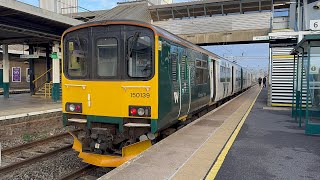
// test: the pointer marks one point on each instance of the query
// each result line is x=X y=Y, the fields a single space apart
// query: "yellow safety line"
x=282 y=56
x=285 y=105
x=217 y=165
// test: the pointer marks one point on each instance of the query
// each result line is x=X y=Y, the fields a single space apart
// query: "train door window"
x=199 y=75
x=222 y=74
x=76 y=56
x=107 y=53
x=226 y=74
x=140 y=57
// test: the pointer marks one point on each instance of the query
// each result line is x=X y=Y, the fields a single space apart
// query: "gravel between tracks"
x=7 y=142
x=51 y=168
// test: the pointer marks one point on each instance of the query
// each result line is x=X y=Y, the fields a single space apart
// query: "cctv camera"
x=316 y=6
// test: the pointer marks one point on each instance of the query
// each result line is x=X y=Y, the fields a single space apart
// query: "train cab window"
x=76 y=55
x=139 y=57
x=107 y=57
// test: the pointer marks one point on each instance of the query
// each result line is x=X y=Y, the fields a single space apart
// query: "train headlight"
x=74 y=107
x=140 y=111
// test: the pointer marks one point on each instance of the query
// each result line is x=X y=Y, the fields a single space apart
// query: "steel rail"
x=32 y=144
x=31 y=160
x=78 y=173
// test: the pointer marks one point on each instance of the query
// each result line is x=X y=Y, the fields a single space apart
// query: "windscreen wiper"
x=133 y=42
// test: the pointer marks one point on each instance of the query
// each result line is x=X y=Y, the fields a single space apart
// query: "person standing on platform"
x=259 y=80
x=265 y=81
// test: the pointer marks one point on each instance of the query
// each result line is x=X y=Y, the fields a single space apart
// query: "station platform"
x=239 y=140
x=15 y=91
x=270 y=145
x=19 y=105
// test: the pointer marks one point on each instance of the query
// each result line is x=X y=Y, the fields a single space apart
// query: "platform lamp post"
x=6 y=70
x=55 y=72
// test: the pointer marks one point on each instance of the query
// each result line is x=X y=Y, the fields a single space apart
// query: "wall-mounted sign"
x=29 y=56
x=16 y=74
x=315 y=25
x=260 y=38
x=56 y=55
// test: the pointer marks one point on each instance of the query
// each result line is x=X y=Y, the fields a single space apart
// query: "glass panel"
x=314 y=84
x=221 y=74
x=140 y=58
x=199 y=76
x=77 y=51
x=107 y=53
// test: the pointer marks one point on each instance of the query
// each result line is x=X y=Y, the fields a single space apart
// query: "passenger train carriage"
x=123 y=82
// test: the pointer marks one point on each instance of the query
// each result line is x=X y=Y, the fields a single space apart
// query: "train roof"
x=158 y=31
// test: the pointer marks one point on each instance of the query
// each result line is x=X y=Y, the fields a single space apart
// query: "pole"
x=6 y=71
x=56 y=74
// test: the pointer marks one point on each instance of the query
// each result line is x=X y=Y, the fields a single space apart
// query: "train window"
x=201 y=72
x=228 y=74
x=107 y=53
x=199 y=76
x=140 y=58
x=76 y=55
x=222 y=74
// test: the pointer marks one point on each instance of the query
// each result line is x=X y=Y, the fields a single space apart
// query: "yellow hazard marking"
x=183 y=118
x=283 y=105
x=217 y=165
x=282 y=56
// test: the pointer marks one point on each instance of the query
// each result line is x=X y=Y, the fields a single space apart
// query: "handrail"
x=47 y=89
x=42 y=75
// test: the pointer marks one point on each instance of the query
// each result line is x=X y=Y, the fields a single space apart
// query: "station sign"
x=55 y=55
x=315 y=25
x=260 y=38
x=29 y=56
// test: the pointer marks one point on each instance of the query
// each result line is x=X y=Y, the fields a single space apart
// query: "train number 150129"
x=140 y=95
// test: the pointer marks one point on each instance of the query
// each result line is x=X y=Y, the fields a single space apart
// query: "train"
x=124 y=82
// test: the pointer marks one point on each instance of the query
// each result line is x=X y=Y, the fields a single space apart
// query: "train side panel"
x=183 y=82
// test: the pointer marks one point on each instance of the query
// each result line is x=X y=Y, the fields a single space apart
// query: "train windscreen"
x=120 y=52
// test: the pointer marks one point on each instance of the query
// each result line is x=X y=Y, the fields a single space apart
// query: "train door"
x=241 y=79
x=232 y=79
x=212 y=79
x=184 y=81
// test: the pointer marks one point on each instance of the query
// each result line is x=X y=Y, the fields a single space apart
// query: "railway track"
x=33 y=152
x=86 y=172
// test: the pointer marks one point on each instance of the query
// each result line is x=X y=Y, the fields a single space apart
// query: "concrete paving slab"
x=24 y=103
x=271 y=146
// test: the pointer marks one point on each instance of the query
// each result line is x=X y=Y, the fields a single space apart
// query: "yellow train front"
x=109 y=90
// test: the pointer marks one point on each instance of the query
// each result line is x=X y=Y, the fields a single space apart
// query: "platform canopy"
x=21 y=23
x=213 y=7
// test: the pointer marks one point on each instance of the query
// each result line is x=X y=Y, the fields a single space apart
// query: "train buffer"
x=242 y=139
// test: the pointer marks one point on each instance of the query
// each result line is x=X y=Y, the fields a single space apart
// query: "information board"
x=16 y=74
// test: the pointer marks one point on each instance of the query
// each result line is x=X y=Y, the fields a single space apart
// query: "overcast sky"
x=253 y=56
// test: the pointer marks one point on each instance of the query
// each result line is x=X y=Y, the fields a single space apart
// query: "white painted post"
x=6 y=70
x=56 y=73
